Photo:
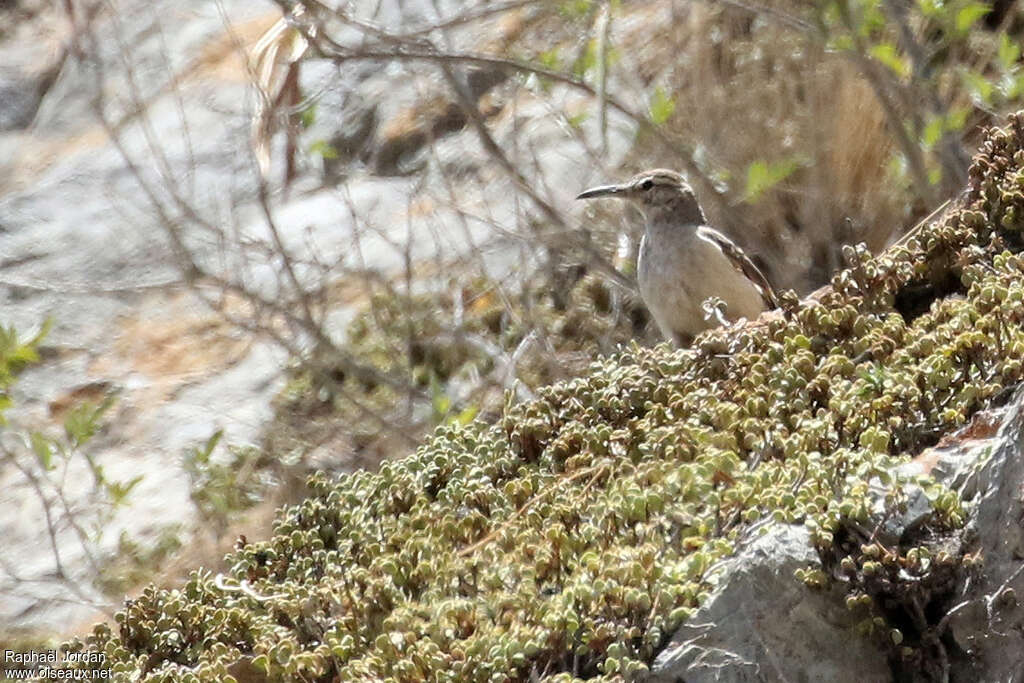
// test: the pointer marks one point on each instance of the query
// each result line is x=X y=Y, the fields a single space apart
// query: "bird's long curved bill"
x=601 y=191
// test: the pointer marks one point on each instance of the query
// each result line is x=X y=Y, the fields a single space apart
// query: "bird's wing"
x=742 y=263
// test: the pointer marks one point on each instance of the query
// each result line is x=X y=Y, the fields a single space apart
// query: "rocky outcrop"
x=760 y=624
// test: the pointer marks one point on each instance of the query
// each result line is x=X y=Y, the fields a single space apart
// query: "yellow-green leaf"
x=932 y=132
x=1009 y=52
x=886 y=54
x=324 y=149
x=43 y=450
x=980 y=87
x=662 y=106
x=763 y=176
x=969 y=15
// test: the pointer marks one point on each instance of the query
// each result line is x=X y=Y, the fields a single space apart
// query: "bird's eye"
x=647 y=184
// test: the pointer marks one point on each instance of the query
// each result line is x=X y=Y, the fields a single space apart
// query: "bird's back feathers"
x=742 y=263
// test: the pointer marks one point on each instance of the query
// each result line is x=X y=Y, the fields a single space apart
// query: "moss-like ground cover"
x=574 y=535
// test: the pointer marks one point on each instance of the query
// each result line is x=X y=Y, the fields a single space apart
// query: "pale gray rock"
x=987 y=625
x=762 y=624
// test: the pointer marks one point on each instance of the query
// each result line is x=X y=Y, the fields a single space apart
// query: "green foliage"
x=573 y=536
x=442 y=406
x=307 y=117
x=84 y=420
x=575 y=9
x=887 y=54
x=762 y=176
x=550 y=59
x=81 y=423
x=923 y=49
x=587 y=60
x=1008 y=53
x=222 y=488
x=15 y=354
x=662 y=107
x=45 y=460
x=575 y=121
x=980 y=88
x=451 y=371
x=968 y=15
x=937 y=126
x=323 y=149
x=135 y=563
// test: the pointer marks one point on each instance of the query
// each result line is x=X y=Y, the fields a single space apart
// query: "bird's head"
x=655 y=191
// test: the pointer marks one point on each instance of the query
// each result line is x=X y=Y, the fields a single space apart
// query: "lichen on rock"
x=574 y=536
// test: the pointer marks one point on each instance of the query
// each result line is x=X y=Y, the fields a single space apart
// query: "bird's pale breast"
x=678 y=270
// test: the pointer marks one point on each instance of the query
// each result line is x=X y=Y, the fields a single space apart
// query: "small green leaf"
x=978 y=86
x=308 y=116
x=1009 y=52
x=872 y=20
x=202 y=454
x=439 y=400
x=43 y=450
x=1015 y=87
x=119 y=491
x=324 y=149
x=586 y=61
x=576 y=120
x=762 y=176
x=932 y=132
x=956 y=119
x=42 y=333
x=662 y=106
x=22 y=355
x=969 y=15
x=550 y=59
x=465 y=416
x=98 y=473
x=931 y=8
x=261 y=662
x=83 y=421
x=886 y=54
x=839 y=43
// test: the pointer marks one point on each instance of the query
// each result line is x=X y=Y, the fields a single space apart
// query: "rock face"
x=79 y=243
x=761 y=624
x=986 y=626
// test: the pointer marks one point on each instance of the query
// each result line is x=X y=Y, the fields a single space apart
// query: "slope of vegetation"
x=572 y=536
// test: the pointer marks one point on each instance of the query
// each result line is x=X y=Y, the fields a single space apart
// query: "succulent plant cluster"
x=570 y=538
x=452 y=352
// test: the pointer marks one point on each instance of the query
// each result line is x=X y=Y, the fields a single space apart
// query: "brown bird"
x=683 y=262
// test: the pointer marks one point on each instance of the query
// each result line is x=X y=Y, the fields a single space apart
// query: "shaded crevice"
x=915 y=298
